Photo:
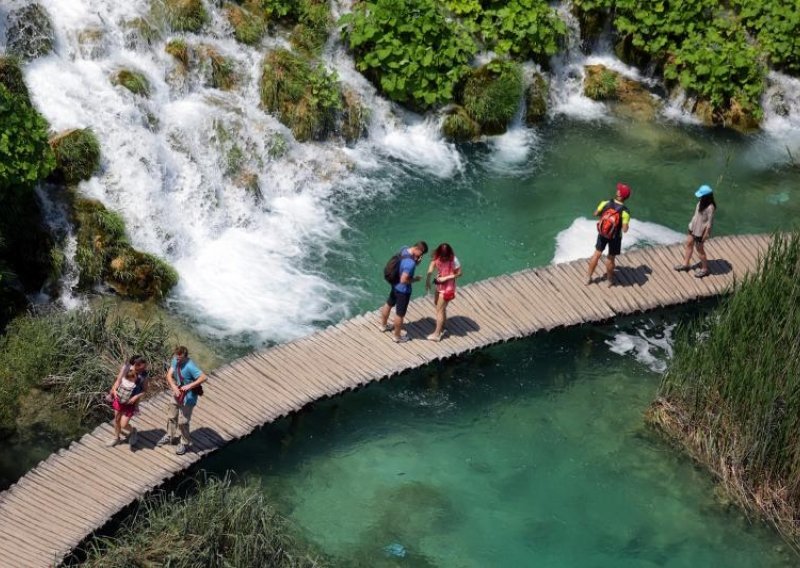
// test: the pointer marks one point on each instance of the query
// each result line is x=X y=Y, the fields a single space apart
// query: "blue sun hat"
x=703 y=190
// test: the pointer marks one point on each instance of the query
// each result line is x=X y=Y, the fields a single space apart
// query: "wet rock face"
x=457 y=125
x=29 y=32
x=536 y=95
x=630 y=98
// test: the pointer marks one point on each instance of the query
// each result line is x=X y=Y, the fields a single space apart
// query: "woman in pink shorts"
x=448 y=268
x=127 y=391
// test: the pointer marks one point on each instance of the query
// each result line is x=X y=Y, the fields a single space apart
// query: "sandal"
x=701 y=273
x=682 y=267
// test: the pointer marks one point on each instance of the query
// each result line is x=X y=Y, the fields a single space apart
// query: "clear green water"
x=533 y=453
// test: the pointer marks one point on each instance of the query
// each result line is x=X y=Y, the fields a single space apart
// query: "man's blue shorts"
x=614 y=245
x=399 y=300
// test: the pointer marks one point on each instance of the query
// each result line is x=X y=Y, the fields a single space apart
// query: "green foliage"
x=600 y=86
x=305 y=96
x=11 y=77
x=134 y=81
x=179 y=49
x=409 y=48
x=182 y=15
x=735 y=384
x=720 y=65
x=220 y=525
x=75 y=356
x=313 y=20
x=775 y=24
x=140 y=275
x=492 y=95
x=25 y=155
x=248 y=27
x=77 y=154
x=526 y=29
x=219 y=69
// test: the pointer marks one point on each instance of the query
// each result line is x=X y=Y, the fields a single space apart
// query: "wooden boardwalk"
x=75 y=491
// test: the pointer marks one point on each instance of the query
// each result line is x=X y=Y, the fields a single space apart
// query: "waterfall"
x=207 y=180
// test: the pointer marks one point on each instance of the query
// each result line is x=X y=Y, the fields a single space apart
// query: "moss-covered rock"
x=104 y=254
x=536 y=96
x=179 y=49
x=134 y=81
x=140 y=33
x=182 y=15
x=631 y=98
x=11 y=77
x=92 y=42
x=305 y=96
x=492 y=94
x=311 y=31
x=29 y=32
x=354 y=118
x=248 y=27
x=219 y=71
x=77 y=154
x=457 y=125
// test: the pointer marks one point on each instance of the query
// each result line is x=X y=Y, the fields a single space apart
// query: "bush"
x=313 y=20
x=75 y=356
x=732 y=392
x=492 y=95
x=221 y=525
x=25 y=155
x=11 y=77
x=526 y=29
x=77 y=155
x=600 y=83
x=775 y=24
x=134 y=81
x=29 y=32
x=409 y=49
x=306 y=97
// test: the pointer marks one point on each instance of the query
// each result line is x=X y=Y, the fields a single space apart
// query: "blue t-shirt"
x=189 y=373
x=407 y=266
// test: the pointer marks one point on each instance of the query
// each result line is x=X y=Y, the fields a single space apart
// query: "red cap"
x=624 y=191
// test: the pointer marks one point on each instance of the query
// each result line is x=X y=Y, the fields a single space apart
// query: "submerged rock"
x=29 y=32
x=134 y=81
x=631 y=98
x=457 y=125
x=92 y=42
x=536 y=95
x=77 y=154
x=491 y=95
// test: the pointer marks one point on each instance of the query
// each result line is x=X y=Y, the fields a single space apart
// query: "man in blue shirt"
x=400 y=294
x=183 y=378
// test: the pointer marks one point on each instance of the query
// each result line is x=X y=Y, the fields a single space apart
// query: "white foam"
x=577 y=240
x=511 y=152
x=650 y=346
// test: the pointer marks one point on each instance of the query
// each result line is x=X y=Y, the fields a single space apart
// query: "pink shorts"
x=127 y=409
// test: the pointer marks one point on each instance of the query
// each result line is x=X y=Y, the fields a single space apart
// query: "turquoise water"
x=527 y=454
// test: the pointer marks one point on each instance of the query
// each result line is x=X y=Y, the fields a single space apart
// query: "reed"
x=731 y=396
x=220 y=524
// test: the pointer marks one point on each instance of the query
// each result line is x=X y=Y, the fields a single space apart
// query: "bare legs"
x=691 y=243
x=398 y=321
x=611 y=261
x=441 y=314
x=122 y=422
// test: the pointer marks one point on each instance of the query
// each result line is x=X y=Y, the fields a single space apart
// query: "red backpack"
x=610 y=220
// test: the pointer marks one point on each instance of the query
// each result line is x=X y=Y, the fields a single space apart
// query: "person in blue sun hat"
x=699 y=231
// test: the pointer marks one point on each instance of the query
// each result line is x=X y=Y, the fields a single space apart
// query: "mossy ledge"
x=491 y=95
x=77 y=154
x=133 y=81
x=105 y=255
x=181 y=15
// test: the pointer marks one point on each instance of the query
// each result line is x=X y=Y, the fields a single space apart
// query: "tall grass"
x=73 y=356
x=222 y=524
x=732 y=393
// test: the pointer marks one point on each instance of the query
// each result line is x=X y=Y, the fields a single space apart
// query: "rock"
x=248 y=27
x=77 y=155
x=631 y=99
x=29 y=32
x=739 y=118
x=140 y=275
x=134 y=81
x=457 y=125
x=305 y=96
x=11 y=77
x=218 y=70
x=492 y=94
x=92 y=43
x=181 y=15
x=140 y=33
x=354 y=117
x=536 y=95
x=179 y=49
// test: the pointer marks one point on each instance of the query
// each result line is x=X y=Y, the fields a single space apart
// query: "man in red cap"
x=614 y=220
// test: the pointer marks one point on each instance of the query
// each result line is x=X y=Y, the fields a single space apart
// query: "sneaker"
x=165 y=439
x=435 y=336
x=701 y=273
x=682 y=267
x=115 y=442
x=181 y=449
x=402 y=339
x=385 y=327
x=134 y=437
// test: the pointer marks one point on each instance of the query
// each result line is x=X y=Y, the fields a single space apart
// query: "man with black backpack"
x=399 y=273
x=614 y=220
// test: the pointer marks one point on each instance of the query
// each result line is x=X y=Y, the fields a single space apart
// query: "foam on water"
x=650 y=345
x=577 y=240
x=511 y=152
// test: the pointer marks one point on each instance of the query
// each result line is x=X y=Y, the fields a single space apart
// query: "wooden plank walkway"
x=75 y=491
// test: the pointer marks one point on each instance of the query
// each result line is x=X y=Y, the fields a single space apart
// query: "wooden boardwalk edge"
x=77 y=490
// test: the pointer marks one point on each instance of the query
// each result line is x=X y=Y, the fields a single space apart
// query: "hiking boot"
x=134 y=437
x=181 y=449
x=164 y=440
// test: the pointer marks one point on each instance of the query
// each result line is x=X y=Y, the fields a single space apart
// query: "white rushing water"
x=245 y=238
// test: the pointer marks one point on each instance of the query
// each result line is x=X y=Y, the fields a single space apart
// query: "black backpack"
x=391 y=272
